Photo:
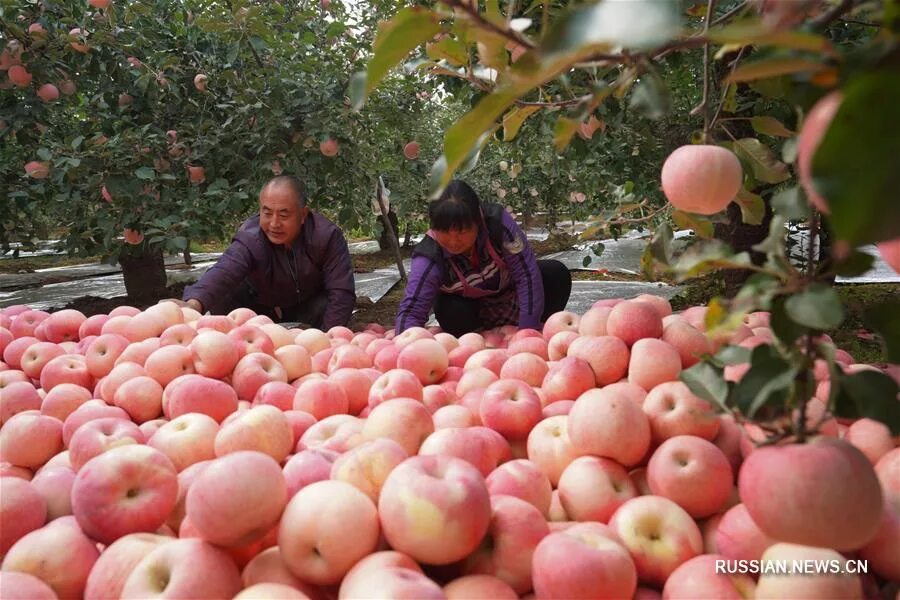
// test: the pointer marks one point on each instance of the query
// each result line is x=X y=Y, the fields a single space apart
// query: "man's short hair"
x=293 y=183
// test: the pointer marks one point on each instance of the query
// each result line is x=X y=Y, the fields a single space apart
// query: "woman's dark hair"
x=457 y=208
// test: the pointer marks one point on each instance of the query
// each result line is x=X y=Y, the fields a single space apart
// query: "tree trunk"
x=742 y=238
x=384 y=242
x=145 y=275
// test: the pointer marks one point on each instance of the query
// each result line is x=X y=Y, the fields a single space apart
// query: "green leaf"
x=563 y=131
x=757 y=293
x=637 y=24
x=753 y=207
x=869 y=394
x=145 y=173
x=661 y=244
x=710 y=256
x=784 y=328
x=357 y=89
x=891 y=19
x=770 y=126
x=763 y=35
x=707 y=382
x=513 y=120
x=790 y=204
x=449 y=49
x=464 y=134
x=586 y=261
x=768 y=381
x=701 y=226
x=763 y=163
x=471 y=160
x=855 y=166
x=885 y=319
x=44 y=154
x=772 y=67
x=729 y=103
x=396 y=38
x=733 y=355
x=719 y=318
x=855 y=264
x=650 y=97
x=773 y=246
x=659 y=250
x=491 y=49
x=336 y=28
x=77 y=142
x=817 y=307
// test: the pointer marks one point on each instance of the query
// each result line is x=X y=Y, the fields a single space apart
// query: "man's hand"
x=192 y=303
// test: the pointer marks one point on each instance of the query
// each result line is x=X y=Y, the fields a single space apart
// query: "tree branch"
x=826 y=19
x=703 y=107
x=259 y=61
x=472 y=11
x=727 y=87
x=647 y=217
x=730 y=13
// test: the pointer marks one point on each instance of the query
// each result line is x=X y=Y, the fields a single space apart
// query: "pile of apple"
x=164 y=453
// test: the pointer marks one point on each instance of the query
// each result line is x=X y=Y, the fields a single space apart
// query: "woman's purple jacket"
x=428 y=274
x=322 y=263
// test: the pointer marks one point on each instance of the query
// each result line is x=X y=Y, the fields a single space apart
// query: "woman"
x=476 y=269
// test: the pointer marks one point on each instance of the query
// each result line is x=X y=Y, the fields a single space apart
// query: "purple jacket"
x=322 y=263
x=431 y=274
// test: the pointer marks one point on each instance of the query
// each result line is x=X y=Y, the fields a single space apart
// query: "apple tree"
x=167 y=118
x=760 y=68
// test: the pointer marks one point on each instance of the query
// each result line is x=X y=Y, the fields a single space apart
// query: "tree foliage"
x=274 y=84
x=568 y=66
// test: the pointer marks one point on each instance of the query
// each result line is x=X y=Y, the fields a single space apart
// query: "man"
x=287 y=263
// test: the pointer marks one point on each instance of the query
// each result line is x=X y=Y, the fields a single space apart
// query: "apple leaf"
x=784 y=328
x=650 y=97
x=700 y=225
x=768 y=381
x=449 y=49
x=759 y=34
x=409 y=28
x=763 y=163
x=145 y=173
x=868 y=394
x=732 y=355
x=817 y=307
x=885 y=319
x=563 y=131
x=710 y=256
x=753 y=207
x=790 y=204
x=770 y=126
x=855 y=166
x=513 y=120
x=855 y=264
x=772 y=67
x=707 y=382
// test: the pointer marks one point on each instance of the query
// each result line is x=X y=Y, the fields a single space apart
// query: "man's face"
x=280 y=217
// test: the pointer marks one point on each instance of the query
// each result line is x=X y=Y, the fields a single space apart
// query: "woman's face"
x=457 y=241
